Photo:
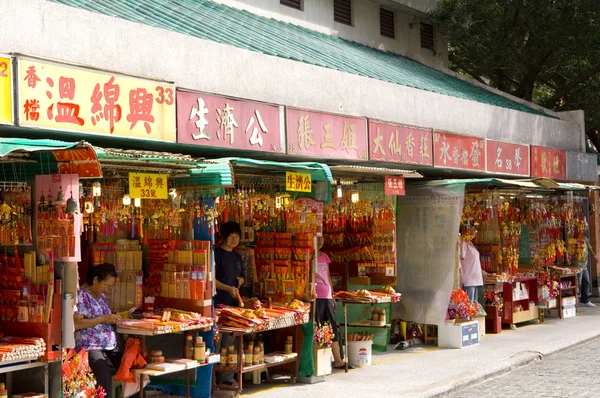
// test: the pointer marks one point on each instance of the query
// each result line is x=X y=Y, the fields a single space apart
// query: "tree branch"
x=580 y=79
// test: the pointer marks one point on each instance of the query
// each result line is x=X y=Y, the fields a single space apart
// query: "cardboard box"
x=458 y=335
x=569 y=307
x=323 y=357
x=481 y=321
x=360 y=280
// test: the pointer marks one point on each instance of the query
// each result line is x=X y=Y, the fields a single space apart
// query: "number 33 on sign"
x=148 y=186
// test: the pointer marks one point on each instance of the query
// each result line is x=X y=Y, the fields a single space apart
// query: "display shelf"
x=15 y=366
x=252 y=368
x=366 y=325
x=561 y=295
x=51 y=332
x=240 y=369
x=527 y=314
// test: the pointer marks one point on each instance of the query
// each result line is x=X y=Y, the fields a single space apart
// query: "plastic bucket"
x=359 y=352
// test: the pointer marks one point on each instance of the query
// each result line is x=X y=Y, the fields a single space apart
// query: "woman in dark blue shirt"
x=229 y=267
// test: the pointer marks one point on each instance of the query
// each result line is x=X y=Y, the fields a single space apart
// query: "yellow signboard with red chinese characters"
x=298 y=182
x=71 y=98
x=6 y=94
x=148 y=186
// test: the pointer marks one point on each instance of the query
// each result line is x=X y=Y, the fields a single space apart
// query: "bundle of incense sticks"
x=15 y=348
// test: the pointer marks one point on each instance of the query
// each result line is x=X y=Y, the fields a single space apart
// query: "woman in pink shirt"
x=325 y=305
x=471 y=275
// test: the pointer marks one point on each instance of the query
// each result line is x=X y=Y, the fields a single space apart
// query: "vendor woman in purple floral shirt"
x=94 y=328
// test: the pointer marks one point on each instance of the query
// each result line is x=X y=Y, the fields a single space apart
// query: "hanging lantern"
x=339 y=191
x=96 y=189
x=355 y=197
x=126 y=200
x=137 y=202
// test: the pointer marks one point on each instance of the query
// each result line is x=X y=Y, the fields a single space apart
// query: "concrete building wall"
x=43 y=29
x=318 y=15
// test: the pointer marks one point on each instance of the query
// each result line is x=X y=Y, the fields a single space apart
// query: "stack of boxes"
x=185 y=274
x=128 y=291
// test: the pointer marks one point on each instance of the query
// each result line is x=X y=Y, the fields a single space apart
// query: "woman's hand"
x=234 y=291
x=111 y=319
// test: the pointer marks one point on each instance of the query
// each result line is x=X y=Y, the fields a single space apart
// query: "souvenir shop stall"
x=359 y=230
x=38 y=229
x=152 y=219
x=531 y=238
x=279 y=207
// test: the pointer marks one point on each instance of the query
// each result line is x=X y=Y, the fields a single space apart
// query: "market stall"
x=36 y=231
x=360 y=239
x=531 y=241
x=279 y=209
x=153 y=219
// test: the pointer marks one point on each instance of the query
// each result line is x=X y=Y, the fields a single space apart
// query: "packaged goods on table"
x=258 y=318
x=170 y=321
x=387 y=295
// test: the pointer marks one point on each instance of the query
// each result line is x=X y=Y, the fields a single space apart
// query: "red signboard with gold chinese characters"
x=394 y=185
x=396 y=143
x=324 y=135
x=458 y=151
x=548 y=162
x=71 y=98
x=507 y=158
x=221 y=122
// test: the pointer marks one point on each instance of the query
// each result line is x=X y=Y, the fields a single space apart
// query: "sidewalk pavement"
x=427 y=371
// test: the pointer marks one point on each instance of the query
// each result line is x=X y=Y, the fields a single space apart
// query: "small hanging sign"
x=298 y=182
x=394 y=185
x=148 y=186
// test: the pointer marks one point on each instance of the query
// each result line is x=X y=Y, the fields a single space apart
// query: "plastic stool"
x=256 y=375
x=116 y=386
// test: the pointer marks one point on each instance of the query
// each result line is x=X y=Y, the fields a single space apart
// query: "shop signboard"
x=455 y=151
x=221 y=122
x=148 y=186
x=507 y=158
x=324 y=135
x=470 y=334
x=298 y=182
x=6 y=92
x=71 y=98
x=394 y=185
x=548 y=163
x=395 y=143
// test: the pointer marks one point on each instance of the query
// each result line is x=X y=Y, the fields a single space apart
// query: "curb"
x=504 y=367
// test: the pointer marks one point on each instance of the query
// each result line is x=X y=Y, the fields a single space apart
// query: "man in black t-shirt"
x=229 y=267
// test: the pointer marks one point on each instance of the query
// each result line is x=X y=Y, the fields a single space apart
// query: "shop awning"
x=533 y=183
x=30 y=157
x=351 y=171
x=319 y=172
x=183 y=169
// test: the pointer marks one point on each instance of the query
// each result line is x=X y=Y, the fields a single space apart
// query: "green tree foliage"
x=544 y=51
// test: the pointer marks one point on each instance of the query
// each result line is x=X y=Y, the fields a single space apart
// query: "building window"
x=386 y=23
x=342 y=11
x=427 y=38
x=297 y=4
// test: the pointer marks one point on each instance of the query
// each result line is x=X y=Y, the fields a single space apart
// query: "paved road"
x=571 y=373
